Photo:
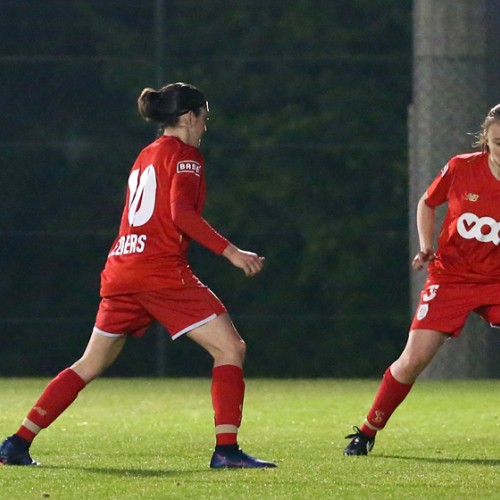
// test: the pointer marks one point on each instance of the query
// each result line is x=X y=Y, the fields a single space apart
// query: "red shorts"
x=179 y=310
x=444 y=308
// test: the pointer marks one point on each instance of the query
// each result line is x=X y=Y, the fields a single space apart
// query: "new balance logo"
x=471 y=197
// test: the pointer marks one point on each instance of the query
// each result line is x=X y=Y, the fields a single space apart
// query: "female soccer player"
x=147 y=278
x=463 y=273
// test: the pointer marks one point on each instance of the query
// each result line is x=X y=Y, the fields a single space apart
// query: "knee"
x=408 y=367
x=242 y=348
x=232 y=353
x=238 y=349
x=88 y=369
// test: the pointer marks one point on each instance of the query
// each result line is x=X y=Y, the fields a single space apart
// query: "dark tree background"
x=306 y=160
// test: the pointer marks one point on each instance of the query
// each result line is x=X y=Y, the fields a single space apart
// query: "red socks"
x=56 y=397
x=228 y=391
x=390 y=395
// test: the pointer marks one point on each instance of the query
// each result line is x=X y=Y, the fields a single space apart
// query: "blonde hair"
x=481 y=136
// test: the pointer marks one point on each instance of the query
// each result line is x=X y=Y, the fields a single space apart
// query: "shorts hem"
x=193 y=326
x=106 y=334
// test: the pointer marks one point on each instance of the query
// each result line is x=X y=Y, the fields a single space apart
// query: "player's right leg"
x=396 y=383
x=220 y=338
x=100 y=353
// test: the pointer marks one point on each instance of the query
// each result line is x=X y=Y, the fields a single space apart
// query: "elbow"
x=181 y=217
x=422 y=200
x=423 y=205
x=175 y=214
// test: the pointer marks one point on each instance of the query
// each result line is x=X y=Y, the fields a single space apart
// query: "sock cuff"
x=72 y=378
x=392 y=380
x=23 y=437
x=227 y=371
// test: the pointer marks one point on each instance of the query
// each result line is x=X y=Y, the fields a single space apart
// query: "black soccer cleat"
x=15 y=451
x=237 y=460
x=360 y=444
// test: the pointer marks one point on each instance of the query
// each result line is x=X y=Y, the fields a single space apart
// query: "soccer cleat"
x=237 y=460
x=15 y=452
x=360 y=444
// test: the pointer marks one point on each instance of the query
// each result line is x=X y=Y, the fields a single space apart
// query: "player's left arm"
x=249 y=262
x=186 y=218
x=185 y=193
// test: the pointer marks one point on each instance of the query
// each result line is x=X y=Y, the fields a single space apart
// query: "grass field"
x=142 y=438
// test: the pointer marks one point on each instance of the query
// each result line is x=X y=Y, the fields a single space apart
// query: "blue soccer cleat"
x=15 y=451
x=237 y=460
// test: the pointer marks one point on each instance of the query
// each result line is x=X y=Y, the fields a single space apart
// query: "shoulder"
x=467 y=159
x=180 y=157
x=172 y=152
x=462 y=162
x=187 y=152
x=176 y=147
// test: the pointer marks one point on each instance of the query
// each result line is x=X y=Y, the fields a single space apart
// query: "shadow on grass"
x=111 y=471
x=436 y=460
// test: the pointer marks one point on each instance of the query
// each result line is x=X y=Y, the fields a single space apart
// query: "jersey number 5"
x=142 y=196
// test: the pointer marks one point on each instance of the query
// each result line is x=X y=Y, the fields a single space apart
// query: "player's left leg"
x=220 y=338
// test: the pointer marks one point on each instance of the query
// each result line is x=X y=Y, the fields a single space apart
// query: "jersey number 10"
x=142 y=196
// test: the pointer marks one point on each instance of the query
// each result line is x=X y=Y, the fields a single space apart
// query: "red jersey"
x=468 y=244
x=165 y=197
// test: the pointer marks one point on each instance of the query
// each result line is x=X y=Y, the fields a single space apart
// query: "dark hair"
x=481 y=136
x=164 y=106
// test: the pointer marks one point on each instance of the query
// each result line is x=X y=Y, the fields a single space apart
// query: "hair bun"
x=165 y=105
x=151 y=95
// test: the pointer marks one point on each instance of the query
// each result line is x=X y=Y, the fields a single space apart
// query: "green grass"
x=141 y=438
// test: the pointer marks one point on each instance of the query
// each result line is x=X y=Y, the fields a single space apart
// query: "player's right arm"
x=435 y=195
x=425 y=226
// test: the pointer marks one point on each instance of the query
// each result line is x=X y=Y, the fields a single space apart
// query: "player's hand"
x=249 y=262
x=423 y=257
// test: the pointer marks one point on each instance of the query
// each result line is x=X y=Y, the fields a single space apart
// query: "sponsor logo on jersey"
x=471 y=197
x=483 y=229
x=191 y=167
x=444 y=170
x=130 y=244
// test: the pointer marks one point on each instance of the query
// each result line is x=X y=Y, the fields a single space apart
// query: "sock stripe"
x=226 y=429
x=372 y=427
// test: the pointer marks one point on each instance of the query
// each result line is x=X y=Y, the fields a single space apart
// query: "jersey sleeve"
x=184 y=204
x=437 y=192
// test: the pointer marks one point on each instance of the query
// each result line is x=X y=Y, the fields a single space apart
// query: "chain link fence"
x=454 y=63
x=306 y=163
